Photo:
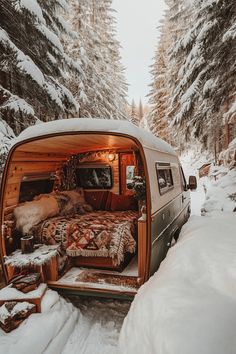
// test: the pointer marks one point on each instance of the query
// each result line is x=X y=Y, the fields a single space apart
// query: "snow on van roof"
x=146 y=138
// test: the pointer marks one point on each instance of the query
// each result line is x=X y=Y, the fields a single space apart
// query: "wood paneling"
x=72 y=144
x=142 y=249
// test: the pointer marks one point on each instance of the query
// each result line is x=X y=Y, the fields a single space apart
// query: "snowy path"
x=197 y=199
x=97 y=330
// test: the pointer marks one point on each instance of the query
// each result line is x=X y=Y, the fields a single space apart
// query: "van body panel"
x=165 y=224
x=153 y=157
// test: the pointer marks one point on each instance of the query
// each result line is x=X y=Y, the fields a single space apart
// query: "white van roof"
x=146 y=138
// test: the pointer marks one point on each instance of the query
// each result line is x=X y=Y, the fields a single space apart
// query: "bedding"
x=95 y=234
x=45 y=206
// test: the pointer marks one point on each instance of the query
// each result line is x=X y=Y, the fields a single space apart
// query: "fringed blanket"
x=96 y=234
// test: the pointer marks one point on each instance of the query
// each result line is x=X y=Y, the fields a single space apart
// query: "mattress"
x=95 y=234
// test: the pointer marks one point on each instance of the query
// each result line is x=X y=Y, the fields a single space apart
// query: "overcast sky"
x=137 y=22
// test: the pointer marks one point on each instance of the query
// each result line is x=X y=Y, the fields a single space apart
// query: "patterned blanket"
x=95 y=234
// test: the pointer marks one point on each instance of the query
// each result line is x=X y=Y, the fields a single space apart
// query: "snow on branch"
x=31 y=6
x=16 y=104
x=230 y=34
x=26 y=65
x=6 y=134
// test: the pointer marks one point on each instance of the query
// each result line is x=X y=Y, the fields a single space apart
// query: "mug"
x=27 y=244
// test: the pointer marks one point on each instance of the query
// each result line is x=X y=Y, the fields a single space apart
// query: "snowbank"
x=189 y=305
x=46 y=332
x=221 y=193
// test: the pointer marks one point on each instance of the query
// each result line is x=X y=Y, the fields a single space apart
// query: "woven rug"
x=104 y=278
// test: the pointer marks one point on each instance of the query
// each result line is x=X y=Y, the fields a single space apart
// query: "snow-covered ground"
x=189 y=305
x=98 y=326
x=79 y=325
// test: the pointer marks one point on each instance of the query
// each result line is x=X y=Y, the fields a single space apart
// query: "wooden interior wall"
x=25 y=163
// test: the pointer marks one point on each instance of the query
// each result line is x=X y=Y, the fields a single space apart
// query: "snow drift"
x=189 y=305
x=45 y=332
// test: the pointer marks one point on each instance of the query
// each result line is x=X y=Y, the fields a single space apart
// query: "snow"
x=102 y=125
x=92 y=326
x=221 y=194
x=26 y=64
x=97 y=330
x=189 y=305
x=19 y=307
x=230 y=34
x=39 y=257
x=51 y=36
x=191 y=162
x=33 y=7
x=16 y=104
x=8 y=293
x=45 y=332
x=6 y=135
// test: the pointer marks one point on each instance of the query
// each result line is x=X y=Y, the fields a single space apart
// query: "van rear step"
x=93 y=281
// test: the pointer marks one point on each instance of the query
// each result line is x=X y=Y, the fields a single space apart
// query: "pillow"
x=31 y=213
x=76 y=196
x=97 y=199
x=72 y=202
x=123 y=202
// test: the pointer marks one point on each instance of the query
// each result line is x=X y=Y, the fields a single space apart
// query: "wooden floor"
x=96 y=280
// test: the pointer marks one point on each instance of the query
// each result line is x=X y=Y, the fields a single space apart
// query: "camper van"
x=93 y=205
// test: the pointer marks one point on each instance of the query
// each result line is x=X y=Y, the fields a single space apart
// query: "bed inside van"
x=75 y=192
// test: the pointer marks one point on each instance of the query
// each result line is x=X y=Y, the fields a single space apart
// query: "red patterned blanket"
x=95 y=234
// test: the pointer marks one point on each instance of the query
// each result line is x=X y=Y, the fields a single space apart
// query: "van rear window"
x=164 y=178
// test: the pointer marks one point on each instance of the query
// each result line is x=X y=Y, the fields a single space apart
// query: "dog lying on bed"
x=45 y=206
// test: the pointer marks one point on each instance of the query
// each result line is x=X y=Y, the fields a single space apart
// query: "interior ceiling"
x=73 y=144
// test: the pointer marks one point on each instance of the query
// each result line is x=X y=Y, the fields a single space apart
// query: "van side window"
x=164 y=177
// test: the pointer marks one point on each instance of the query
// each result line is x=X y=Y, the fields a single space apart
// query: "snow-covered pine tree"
x=165 y=69
x=133 y=113
x=100 y=88
x=206 y=87
x=159 y=93
x=140 y=111
x=6 y=135
x=33 y=64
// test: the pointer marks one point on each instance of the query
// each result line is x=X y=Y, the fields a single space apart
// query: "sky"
x=137 y=22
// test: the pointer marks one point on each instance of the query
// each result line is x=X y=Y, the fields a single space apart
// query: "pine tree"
x=6 y=135
x=165 y=70
x=100 y=87
x=33 y=64
x=159 y=94
x=140 y=111
x=206 y=89
x=134 y=118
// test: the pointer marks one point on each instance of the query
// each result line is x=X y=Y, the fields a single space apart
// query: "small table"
x=43 y=260
x=34 y=297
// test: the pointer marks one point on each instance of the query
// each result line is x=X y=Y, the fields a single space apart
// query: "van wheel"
x=176 y=235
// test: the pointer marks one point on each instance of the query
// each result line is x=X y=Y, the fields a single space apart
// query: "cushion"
x=72 y=202
x=31 y=213
x=123 y=202
x=97 y=199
